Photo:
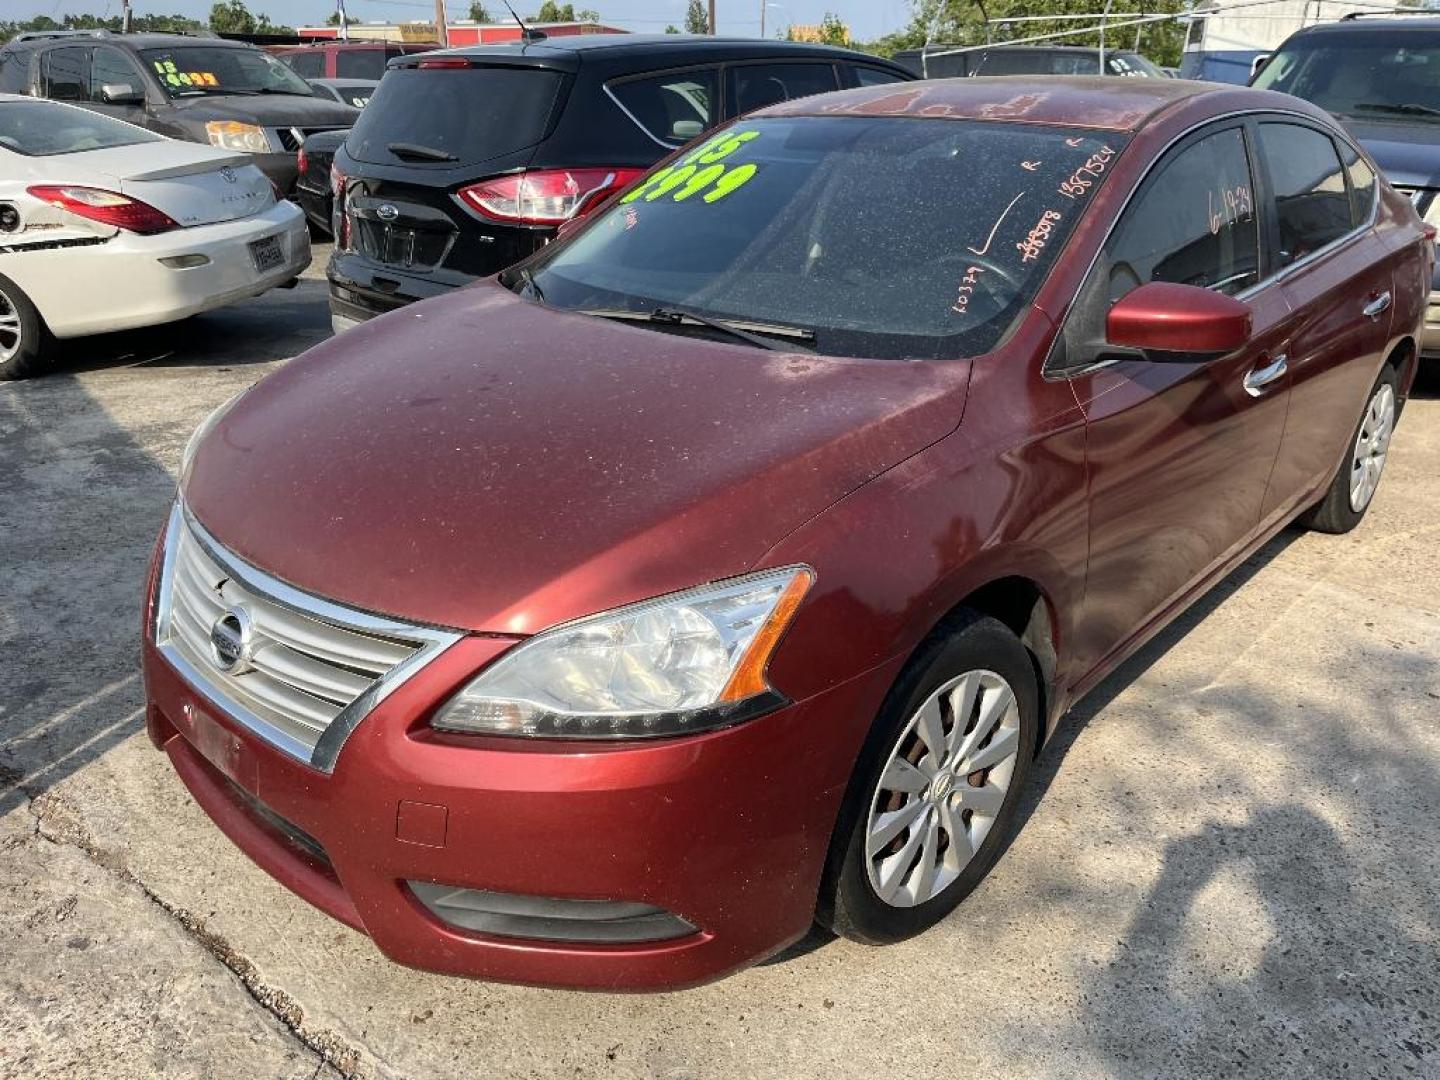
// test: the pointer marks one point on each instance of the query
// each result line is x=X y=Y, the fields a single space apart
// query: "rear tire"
x=1353 y=488
x=935 y=794
x=25 y=343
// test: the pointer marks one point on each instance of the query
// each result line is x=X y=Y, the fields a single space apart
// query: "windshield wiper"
x=1403 y=109
x=415 y=150
x=529 y=279
x=761 y=335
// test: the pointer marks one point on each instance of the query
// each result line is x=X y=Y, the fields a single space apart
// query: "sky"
x=867 y=18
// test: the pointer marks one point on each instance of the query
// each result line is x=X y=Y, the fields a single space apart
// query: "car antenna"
x=526 y=34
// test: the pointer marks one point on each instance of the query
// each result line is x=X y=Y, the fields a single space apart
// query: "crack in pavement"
x=56 y=823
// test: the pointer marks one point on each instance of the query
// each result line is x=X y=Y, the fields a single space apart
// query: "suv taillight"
x=302 y=162
x=547 y=196
x=106 y=207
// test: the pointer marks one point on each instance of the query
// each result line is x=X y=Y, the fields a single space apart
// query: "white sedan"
x=106 y=226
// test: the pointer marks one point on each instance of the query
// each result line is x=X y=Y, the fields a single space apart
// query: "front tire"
x=1354 y=485
x=936 y=792
x=25 y=343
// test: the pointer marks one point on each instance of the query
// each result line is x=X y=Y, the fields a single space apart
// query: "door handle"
x=1257 y=378
x=1375 y=308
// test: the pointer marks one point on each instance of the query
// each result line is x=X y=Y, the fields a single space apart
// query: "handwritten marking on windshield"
x=999 y=221
x=967 y=287
x=1074 y=143
x=1030 y=166
x=1034 y=243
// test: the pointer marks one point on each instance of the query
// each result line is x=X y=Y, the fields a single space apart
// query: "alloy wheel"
x=1372 y=446
x=11 y=332
x=942 y=788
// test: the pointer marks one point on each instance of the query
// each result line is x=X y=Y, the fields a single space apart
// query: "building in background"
x=463 y=32
x=819 y=33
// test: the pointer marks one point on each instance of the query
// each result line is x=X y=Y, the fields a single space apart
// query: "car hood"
x=478 y=461
x=1407 y=152
x=267 y=110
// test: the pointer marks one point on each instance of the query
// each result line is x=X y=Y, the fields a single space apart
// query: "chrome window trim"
x=431 y=641
x=1245 y=294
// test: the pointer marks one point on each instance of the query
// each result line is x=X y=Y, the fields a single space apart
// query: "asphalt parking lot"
x=1229 y=864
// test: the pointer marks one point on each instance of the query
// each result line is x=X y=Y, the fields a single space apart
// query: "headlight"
x=204 y=429
x=683 y=663
x=233 y=135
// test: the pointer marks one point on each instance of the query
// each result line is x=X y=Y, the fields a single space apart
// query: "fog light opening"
x=547 y=919
x=185 y=262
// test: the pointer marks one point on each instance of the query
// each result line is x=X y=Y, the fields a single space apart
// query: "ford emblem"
x=387 y=212
x=228 y=173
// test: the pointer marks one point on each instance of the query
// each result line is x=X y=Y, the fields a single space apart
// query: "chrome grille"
x=298 y=671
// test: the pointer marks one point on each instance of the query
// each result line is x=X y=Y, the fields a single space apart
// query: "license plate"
x=268 y=253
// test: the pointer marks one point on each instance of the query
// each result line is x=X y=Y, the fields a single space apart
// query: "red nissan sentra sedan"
x=724 y=567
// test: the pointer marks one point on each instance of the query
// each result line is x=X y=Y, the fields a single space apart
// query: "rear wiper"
x=415 y=150
x=1404 y=108
x=760 y=335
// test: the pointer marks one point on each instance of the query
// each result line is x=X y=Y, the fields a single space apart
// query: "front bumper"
x=121 y=283
x=728 y=830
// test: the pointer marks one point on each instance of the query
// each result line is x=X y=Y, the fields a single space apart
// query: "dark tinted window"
x=1193 y=224
x=473 y=114
x=309 y=64
x=113 y=68
x=360 y=63
x=14 y=72
x=1003 y=61
x=357 y=94
x=39 y=129
x=1132 y=65
x=886 y=236
x=1312 y=203
x=1362 y=185
x=868 y=76
x=1371 y=73
x=66 y=74
x=753 y=86
x=673 y=108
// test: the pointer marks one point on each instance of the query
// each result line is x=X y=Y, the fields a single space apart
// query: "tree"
x=553 y=12
x=232 y=17
x=833 y=31
x=480 y=14
x=696 y=20
x=672 y=29
x=588 y=15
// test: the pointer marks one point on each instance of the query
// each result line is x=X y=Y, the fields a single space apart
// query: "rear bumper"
x=727 y=830
x=359 y=290
x=1430 y=339
x=122 y=284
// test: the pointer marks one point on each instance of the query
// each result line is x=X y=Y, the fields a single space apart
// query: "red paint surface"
x=482 y=462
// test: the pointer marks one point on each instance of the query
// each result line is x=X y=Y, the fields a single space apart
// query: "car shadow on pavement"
x=84 y=490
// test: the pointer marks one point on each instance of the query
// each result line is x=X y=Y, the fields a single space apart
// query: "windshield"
x=1369 y=74
x=188 y=70
x=40 y=129
x=893 y=237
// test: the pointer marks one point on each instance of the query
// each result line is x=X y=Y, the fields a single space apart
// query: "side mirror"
x=1181 y=320
x=1258 y=64
x=121 y=94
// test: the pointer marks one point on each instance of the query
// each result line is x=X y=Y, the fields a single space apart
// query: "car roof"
x=1091 y=101
x=343 y=81
x=1377 y=23
x=686 y=46
x=134 y=41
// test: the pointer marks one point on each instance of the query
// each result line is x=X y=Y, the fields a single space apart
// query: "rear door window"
x=672 y=108
x=1312 y=202
x=14 y=72
x=66 y=74
x=360 y=63
x=754 y=86
x=1362 y=185
x=456 y=116
x=869 y=76
x=311 y=65
x=1194 y=223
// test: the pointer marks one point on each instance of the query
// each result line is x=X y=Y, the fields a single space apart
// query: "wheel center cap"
x=942 y=785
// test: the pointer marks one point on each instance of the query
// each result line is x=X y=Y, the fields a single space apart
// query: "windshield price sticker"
x=701 y=169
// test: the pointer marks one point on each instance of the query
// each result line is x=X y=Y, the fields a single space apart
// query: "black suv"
x=951 y=62
x=1378 y=75
x=207 y=90
x=467 y=160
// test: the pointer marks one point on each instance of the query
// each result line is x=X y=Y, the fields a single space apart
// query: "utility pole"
x=712 y=18
x=126 y=17
x=763 y=6
x=442 y=34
